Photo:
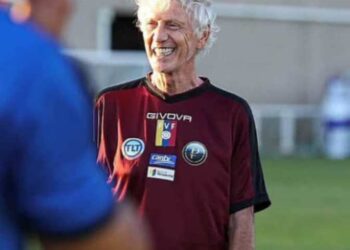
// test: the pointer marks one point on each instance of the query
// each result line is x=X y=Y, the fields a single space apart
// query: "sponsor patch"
x=195 y=153
x=168 y=116
x=163 y=160
x=132 y=148
x=166 y=133
x=161 y=173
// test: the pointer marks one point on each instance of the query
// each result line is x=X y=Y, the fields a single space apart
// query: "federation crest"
x=166 y=133
x=132 y=148
x=195 y=153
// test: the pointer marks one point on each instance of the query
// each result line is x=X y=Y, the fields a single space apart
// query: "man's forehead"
x=160 y=4
x=161 y=9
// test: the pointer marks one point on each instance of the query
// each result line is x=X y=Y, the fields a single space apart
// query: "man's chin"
x=162 y=69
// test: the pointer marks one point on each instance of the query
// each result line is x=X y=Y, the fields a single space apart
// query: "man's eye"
x=150 y=25
x=173 y=26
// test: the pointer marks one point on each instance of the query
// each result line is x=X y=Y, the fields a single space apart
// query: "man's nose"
x=160 y=33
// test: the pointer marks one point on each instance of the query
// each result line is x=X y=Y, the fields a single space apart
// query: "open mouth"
x=163 y=51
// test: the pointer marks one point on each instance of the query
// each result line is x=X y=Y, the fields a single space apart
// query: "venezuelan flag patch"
x=166 y=133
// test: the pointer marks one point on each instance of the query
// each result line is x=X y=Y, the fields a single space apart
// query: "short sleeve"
x=104 y=115
x=60 y=189
x=247 y=180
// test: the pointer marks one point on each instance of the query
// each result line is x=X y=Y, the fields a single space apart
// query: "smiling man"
x=184 y=150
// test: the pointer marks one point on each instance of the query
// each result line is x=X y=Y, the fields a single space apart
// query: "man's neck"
x=173 y=84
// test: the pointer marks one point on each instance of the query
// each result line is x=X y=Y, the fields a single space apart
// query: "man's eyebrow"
x=175 y=21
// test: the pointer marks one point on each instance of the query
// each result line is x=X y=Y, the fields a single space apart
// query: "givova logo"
x=168 y=116
x=132 y=148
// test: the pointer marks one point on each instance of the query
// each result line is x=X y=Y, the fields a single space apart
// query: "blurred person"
x=50 y=183
x=183 y=149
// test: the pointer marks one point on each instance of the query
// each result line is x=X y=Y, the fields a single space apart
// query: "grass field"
x=310 y=205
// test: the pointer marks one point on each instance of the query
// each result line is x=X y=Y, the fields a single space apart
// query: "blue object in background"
x=49 y=181
x=336 y=118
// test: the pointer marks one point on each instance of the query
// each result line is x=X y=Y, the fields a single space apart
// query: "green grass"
x=310 y=205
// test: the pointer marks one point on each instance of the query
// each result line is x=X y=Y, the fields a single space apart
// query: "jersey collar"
x=177 y=97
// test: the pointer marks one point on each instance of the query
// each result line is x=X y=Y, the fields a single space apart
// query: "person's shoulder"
x=239 y=106
x=231 y=97
x=121 y=86
x=28 y=40
x=38 y=53
x=28 y=53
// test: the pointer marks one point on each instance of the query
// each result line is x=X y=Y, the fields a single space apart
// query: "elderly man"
x=49 y=180
x=182 y=148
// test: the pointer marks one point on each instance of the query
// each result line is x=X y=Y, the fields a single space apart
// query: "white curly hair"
x=200 y=11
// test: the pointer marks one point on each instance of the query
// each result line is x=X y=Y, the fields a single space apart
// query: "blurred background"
x=291 y=61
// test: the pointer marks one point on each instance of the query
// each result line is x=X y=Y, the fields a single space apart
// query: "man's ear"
x=203 y=39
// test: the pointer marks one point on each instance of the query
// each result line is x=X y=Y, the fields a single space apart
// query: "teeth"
x=163 y=51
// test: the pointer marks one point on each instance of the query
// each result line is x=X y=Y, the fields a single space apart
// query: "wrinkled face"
x=170 y=41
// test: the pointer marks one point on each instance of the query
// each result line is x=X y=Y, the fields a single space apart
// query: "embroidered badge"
x=163 y=160
x=132 y=148
x=166 y=133
x=195 y=153
x=161 y=173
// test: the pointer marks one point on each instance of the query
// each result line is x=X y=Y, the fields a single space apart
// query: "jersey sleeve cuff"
x=260 y=203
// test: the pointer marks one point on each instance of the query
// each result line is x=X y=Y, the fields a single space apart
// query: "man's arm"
x=241 y=230
x=124 y=231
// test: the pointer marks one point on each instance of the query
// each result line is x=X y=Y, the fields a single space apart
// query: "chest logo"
x=132 y=148
x=166 y=133
x=161 y=173
x=168 y=116
x=195 y=153
x=163 y=160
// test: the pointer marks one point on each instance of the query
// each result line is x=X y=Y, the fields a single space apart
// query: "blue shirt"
x=49 y=180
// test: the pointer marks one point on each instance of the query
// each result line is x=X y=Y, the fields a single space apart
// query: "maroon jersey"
x=188 y=160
